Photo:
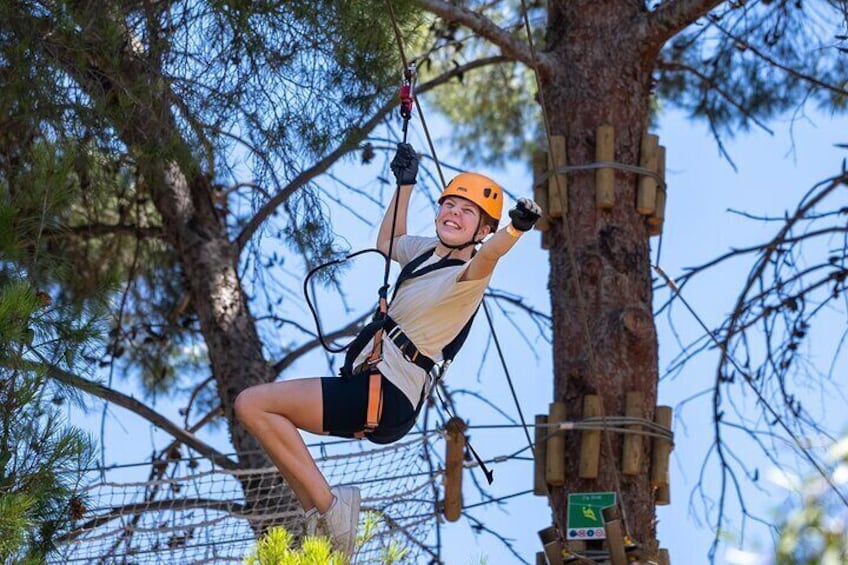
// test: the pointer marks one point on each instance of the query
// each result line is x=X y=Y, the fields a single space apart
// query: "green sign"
x=585 y=520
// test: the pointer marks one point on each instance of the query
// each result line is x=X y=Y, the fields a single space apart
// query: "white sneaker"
x=312 y=516
x=342 y=519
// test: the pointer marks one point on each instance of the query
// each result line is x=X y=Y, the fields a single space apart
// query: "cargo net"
x=188 y=510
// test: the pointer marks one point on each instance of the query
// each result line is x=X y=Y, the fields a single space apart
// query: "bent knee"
x=246 y=406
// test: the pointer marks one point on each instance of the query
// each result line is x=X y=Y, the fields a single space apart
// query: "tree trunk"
x=209 y=261
x=135 y=99
x=598 y=76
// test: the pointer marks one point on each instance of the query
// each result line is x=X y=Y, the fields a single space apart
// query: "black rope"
x=406 y=114
x=490 y=475
x=382 y=293
x=508 y=377
x=328 y=347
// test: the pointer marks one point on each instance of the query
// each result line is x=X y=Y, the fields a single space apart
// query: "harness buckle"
x=367 y=365
x=393 y=333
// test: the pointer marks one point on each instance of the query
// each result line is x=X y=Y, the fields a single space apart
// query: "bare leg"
x=273 y=413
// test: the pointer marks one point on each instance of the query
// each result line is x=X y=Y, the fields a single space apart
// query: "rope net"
x=188 y=510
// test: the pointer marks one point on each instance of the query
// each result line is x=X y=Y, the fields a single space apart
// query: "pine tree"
x=735 y=65
x=52 y=303
x=41 y=456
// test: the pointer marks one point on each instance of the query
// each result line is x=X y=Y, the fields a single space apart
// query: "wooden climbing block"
x=555 y=459
x=557 y=182
x=453 y=468
x=540 y=189
x=662 y=495
x=633 y=444
x=540 y=456
x=605 y=176
x=656 y=220
x=615 y=535
x=646 y=194
x=552 y=545
x=660 y=457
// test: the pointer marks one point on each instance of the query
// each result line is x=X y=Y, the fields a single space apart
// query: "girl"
x=438 y=292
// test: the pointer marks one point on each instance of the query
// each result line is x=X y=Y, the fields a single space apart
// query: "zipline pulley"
x=407 y=92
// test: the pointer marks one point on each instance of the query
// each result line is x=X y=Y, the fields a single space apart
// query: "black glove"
x=525 y=214
x=405 y=164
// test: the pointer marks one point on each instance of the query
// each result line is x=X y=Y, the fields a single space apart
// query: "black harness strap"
x=409 y=270
x=383 y=322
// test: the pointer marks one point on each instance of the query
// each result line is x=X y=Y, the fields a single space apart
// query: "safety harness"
x=383 y=324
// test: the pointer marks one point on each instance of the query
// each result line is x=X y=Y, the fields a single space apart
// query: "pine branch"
x=124 y=401
x=141 y=232
x=93 y=230
x=714 y=86
x=485 y=28
x=673 y=16
x=355 y=136
x=778 y=65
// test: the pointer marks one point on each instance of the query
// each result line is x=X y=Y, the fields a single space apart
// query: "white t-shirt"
x=431 y=310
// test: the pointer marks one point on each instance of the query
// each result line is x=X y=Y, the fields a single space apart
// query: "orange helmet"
x=479 y=189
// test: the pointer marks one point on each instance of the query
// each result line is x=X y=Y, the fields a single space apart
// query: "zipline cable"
x=406 y=64
x=486 y=471
x=508 y=377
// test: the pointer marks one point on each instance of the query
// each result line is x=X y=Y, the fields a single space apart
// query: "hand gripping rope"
x=375 y=393
x=375 y=405
x=407 y=100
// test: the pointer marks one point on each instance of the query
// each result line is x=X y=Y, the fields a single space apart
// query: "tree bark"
x=605 y=340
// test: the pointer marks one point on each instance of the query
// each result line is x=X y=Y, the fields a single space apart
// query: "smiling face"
x=457 y=221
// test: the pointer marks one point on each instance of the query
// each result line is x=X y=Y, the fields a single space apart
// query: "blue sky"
x=773 y=172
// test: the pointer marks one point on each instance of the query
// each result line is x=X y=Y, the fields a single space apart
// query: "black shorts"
x=346 y=404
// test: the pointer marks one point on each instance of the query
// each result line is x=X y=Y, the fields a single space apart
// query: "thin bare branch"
x=678 y=66
x=349 y=330
x=673 y=16
x=93 y=230
x=777 y=64
x=134 y=406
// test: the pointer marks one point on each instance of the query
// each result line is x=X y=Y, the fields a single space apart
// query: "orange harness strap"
x=375 y=404
x=375 y=400
x=375 y=380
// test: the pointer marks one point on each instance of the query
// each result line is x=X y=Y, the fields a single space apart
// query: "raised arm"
x=405 y=168
x=523 y=217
